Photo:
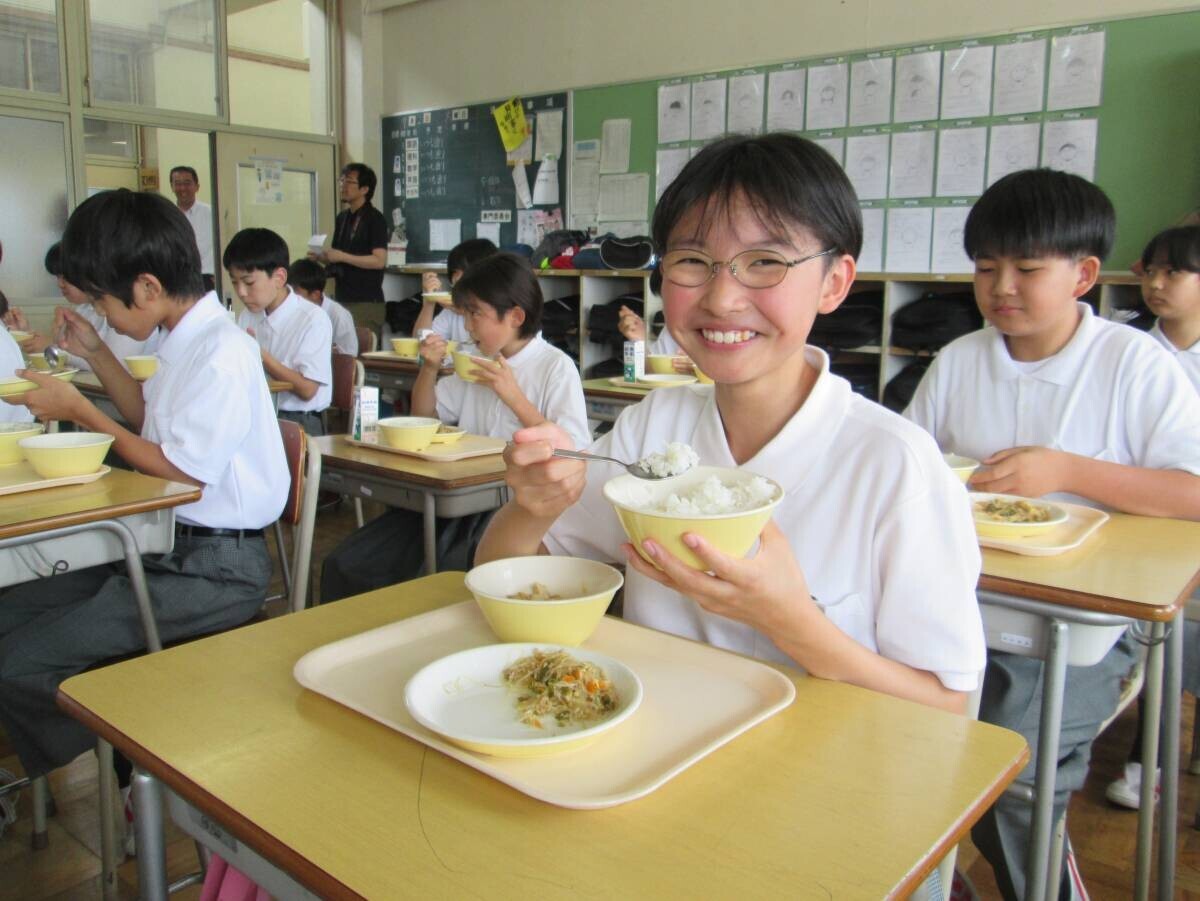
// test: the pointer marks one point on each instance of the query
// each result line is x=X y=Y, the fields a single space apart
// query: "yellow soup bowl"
x=18 y=335
x=63 y=454
x=449 y=434
x=962 y=466
x=583 y=589
x=662 y=364
x=142 y=367
x=465 y=362
x=13 y=385
x=39 y=362
x=10 y=434
x=410 y=433
x=986 y=527
x=406 y=347
x=439 y=297
x=639 y=508
x=702 y=378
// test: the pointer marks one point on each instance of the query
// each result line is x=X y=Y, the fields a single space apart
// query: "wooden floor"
x=1104 y=836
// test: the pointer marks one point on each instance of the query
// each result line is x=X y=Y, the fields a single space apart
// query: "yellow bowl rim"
x=413 y=422
x=47 y=440
x=1060 y=514
x=656 y=514
x=596 y=565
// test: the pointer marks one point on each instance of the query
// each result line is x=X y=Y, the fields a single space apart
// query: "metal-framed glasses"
x=347 y=180
x=752 y=268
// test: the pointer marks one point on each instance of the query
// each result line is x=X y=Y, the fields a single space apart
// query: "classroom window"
x=29 y=59
x=279 y=65
x=35 y=194
x=159 y=54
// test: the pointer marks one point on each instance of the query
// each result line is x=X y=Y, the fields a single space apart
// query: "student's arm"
x=424 y=391
x=1037 y=471
x=82 y=340
x=500 y=378
x=302 y=387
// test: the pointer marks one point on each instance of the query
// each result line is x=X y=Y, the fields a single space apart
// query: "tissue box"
x=365 y=413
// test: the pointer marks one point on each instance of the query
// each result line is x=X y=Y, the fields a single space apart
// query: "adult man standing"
x=358 y=250
x=185 y=182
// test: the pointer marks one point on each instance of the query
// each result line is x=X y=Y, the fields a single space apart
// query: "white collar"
x=176 y=341
x=285 y=311
x=1157 y=332
x=1060 y=368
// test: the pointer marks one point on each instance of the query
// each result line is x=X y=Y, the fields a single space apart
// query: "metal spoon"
x=55 y=356
x=634 y=469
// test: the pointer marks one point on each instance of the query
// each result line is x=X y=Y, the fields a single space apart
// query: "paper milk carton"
x=635 y=360
x=365 y=413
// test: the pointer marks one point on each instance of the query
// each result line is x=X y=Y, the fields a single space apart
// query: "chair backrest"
x=304 y=467
x=348 y=374
x=367 y=339
x=295 y=448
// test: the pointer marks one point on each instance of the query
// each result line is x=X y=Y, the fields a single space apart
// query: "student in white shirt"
x=295 y=337
x=530 y=382
x=1056 y=403
x=867 y=572
x=10 y=362
x=308 y=278
x=633 y=328
x=448 y=322
x=205 y=419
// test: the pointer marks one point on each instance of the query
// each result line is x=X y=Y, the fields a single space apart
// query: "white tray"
x=1082 y=522
x=18 y=477
x=464 y=448
x=696 y=698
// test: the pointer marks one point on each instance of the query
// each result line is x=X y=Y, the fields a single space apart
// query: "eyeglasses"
x=752 y=268
x=343 y=180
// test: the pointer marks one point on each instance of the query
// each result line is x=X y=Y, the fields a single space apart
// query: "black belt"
x=186 y=531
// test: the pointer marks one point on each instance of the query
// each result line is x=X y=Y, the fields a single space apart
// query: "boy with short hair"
x=295 y=337
x=308 y=278
x=448 y=323
x=205 y=419
x=1057 y=403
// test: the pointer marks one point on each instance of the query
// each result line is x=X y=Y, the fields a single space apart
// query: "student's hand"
x=15 y=318
x=767 y=591
x=498 y=376
x=75 y=334
x=630 y=325
x=433 y=350
x=430 y=282
x=34 y=344
x=684 y=366
x=52 y=399
x=1027 y=471
x=542 y=484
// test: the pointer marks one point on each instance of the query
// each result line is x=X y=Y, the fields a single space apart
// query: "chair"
x=367 y=339
x=348 y=374
x=300 y=512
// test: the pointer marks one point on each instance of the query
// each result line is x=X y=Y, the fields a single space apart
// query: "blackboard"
x=449 y=164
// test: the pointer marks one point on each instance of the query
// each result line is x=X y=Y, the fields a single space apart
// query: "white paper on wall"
x=624 y=197
x=871 y=91
x=867 y=165
x=746 y=104
x=708 y=109
x=1076 y=71
x=961 y=156
x=948 y=252
x=674 y=113
x=826 y=96
x=966 y=82
x=785 y=100
x=918 y=86
x=870 y=259
x=669 y=162
x=1012 y=148
x=912 y=164
x=614 y=145
x=1020 y=78
x=1070 y=145
x=909 y=233
x=836 y=147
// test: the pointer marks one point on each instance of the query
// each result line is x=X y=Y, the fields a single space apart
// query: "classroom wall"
x=446 y=52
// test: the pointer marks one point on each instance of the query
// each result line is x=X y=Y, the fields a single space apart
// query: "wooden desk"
x=92 y=388
x=434 y=489
x=393 y=374
x=1135 y=569
x=846 y=793
x=605 y=401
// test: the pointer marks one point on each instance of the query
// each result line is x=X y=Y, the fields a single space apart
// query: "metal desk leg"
x=1152 y=693
x=1169 y=804
x=151 y=844
x=1037 y=884
x=430 y=533
x=108 y=828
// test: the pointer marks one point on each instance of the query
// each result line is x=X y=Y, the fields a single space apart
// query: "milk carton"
x=635 y=360
x=364 y=413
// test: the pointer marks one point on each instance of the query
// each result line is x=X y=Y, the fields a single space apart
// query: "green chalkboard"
x=449 y=165
x=1148 y=129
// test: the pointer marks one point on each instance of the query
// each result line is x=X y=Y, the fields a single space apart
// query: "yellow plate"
x=991 y=528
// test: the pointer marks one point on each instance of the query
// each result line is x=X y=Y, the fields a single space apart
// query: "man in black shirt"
x=358 y=252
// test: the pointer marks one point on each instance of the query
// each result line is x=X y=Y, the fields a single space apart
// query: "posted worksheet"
x=746 y=104
x=668 y=163
x=614 y=145
x=545 y=184
x=826 y=95
x=785 y=100
x=918 y=83
x=871 y=91
x=966 y=82
x=948 y=252
x=1012 y=148
x=836 y=148
x=521 y=186
x=909 y=232
x=1076 y=70
x=489 y=230
x=708 y=109
x=1070 y=145
x=444 y=234
x=549 y=125
x=912 y=164
x=870 y=258
x=1020 y=78
x=674 y=113
x=624 y=197
x=867 y=165
x=585 y=193
x=961 y=155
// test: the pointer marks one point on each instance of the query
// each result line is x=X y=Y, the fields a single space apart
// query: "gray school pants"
x=1012 y=698
x=308 y=420
x=53 y=628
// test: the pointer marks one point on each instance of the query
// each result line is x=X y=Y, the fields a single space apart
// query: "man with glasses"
x=358 y=251
x=184 y=184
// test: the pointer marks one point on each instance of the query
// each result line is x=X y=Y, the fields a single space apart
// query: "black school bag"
x=934 y=320
x=858 y=321
x=602 y=321
x=900 y=390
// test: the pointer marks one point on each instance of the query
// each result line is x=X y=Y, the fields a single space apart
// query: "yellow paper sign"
x=510 y=119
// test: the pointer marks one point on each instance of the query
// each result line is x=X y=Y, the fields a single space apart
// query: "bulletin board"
x=1130 y=125
x=447 y=174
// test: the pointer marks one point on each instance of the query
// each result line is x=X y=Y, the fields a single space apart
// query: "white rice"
x=677 y=459
x=710 y=497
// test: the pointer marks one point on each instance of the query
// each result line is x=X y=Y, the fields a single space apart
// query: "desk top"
x=396 y=364
x=855 y=791
x=1139 y=566
x=337 y=454
x=88 y=384
x=120 y=493
x=605 y=388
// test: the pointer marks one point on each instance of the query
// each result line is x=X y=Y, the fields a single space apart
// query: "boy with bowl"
x=448 y=322
x=866 y=572
x=1061 y=404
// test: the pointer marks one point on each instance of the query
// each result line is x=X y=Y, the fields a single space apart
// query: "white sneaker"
x=1126 y=791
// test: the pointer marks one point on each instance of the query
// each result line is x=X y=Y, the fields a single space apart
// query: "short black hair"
x=188 y=169
x=786 y=179
x=1178 y=247
x=1038 y=213
x=307 y=274
x=502 y=281
x=256 y=248
x=115 y=236
x=464 y=255
x=53 y=260
x=365 y=176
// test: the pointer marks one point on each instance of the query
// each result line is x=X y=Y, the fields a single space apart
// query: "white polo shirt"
x=1188 y=358
x=201 y=218
x=547 y=378
x=664 y=344
x=300 y=337
x=877 y=522
x=452 y=326
x=122 y=346
x=209 y=409
x=1111 y=394
x=11 y=360
x=345 y=338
